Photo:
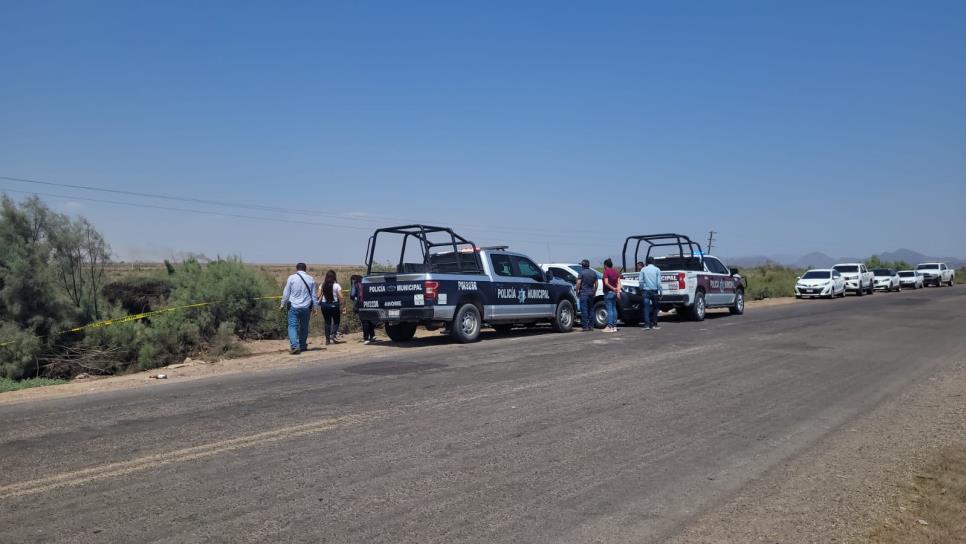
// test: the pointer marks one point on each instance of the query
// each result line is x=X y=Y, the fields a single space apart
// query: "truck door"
x=520 y=292
x=721 y=287
x=537 y=298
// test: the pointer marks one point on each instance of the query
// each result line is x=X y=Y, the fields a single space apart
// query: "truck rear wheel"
x=563 y=319
x=466 y=324
x=401 y=332
x=699 y=308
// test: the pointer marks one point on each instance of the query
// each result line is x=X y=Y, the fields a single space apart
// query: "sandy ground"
x=264 y=356
x=852 y=482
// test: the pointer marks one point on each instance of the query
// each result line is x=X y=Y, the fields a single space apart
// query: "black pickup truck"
x=453 y=284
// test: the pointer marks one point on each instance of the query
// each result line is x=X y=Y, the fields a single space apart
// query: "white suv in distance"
x=887 y=279
x=820 y=283
x=937 y=274
x=910 y=279
x=858 y=278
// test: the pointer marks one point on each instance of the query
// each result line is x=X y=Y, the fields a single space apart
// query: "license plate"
x=392 y=313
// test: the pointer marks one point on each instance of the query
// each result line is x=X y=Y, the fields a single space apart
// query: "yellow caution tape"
x=145 y=315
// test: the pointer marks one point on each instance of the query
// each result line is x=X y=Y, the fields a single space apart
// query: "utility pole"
x=711 y=234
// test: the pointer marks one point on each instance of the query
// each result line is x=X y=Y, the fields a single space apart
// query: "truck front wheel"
x=739 y=306
x=563 y=319
x=466 y=324
x=600 y=315
x=401 y=332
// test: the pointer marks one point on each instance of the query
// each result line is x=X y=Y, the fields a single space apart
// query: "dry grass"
x=933 y=508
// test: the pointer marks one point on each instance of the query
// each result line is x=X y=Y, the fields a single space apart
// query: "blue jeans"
x=650 y=308
x=298 y=327
x=587 y=311
x=610 y=301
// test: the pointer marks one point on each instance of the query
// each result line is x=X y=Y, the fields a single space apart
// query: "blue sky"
x=787 y=127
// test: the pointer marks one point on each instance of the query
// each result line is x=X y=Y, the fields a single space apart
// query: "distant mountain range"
x=821 y=260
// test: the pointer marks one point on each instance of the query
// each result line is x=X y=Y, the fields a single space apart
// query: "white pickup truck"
x=858 y=278
x=937 y=274
x=691 y=281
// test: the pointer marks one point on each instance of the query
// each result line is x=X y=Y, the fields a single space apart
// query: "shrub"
x=771 y=281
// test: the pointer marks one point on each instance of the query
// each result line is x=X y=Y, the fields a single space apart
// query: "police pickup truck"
x=451 y=283
x=692 y=282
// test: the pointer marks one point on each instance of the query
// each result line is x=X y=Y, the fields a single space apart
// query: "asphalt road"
x=531 y=437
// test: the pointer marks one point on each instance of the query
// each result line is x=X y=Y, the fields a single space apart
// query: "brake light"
x=430 y=290
x=681 y=280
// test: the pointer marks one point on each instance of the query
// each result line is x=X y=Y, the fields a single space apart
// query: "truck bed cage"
x=680 y=241
x=421 y=233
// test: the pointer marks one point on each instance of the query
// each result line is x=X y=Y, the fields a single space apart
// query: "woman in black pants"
x=330 y=298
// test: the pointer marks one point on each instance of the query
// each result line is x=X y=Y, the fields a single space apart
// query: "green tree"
x=51 y=272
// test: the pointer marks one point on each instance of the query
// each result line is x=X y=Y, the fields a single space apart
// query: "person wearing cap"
x=586 y=289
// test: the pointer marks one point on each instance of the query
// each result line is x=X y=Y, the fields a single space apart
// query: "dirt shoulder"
x=857 y=483
x=263 y=356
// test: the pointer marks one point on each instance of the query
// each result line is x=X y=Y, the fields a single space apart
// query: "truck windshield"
x=847 y=269
x=927 y=266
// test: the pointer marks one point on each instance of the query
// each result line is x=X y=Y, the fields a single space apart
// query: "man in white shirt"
x=299 y=297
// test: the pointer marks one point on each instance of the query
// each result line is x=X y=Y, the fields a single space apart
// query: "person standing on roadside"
x=298 y=298
x=355 y=295
x=330 y=299
x=612 y=293
x=651 y=290
x=586 y=289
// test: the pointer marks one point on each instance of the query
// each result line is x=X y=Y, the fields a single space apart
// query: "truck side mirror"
x=734 y=271
x=548 y=276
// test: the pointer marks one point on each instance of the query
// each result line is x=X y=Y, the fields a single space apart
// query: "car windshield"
x=907 y=274
x=927 y=266
x=816 y=275
x=882 y=272
x=847 y=268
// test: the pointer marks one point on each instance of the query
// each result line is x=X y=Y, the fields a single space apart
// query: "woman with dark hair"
x=330 y=299
x=355 y=295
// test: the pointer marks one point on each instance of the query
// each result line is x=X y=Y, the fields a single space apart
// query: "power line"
x=223 y=214
x=288 y=211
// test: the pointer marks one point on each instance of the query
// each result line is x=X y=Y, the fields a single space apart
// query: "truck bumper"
x=402 y=315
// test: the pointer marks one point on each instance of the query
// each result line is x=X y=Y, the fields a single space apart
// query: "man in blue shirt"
x=650 y=281
x=299 y=297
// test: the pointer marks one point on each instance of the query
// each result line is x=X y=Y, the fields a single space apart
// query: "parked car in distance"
x=858 y=278
x=824 y=282
x=937 y=274
x=887 y=279
x=910 y=279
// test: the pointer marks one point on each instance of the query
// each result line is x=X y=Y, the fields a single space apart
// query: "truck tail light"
x=430 y=289
x=681 y=280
